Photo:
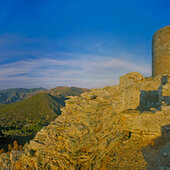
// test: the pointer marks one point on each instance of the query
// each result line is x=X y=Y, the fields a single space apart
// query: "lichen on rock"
x=107 y=128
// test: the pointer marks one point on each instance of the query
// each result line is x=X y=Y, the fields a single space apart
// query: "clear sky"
x=83 y=43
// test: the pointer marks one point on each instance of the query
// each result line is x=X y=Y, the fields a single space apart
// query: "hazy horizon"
x=87 y=44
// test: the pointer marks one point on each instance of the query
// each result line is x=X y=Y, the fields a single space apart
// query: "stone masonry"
x=161 y=52
x=126 y=126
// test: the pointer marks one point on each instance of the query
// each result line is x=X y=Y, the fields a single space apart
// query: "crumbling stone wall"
x=161 y=52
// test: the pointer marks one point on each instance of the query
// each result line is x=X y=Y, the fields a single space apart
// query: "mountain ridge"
x=27 y=116
x=120 y=127
x=13 y=95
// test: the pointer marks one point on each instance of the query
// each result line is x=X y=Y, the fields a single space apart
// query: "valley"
x=21 y=119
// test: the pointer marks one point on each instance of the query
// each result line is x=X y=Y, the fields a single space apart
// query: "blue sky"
x=84 y=43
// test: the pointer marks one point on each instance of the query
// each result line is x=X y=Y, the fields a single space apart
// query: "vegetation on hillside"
x=17 y=94
x=23 y=119
x=8 y=96
x=32 y=113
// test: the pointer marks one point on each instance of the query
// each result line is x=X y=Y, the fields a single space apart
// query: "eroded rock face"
x=108 y=128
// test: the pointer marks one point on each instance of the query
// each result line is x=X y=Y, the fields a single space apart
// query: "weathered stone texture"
x=121 y=127
x=161 y=52
x=106 y=128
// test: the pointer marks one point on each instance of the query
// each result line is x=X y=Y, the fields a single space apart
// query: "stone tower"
x=161 y=52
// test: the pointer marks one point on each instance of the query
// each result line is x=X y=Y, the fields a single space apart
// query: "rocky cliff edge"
x=126 y=126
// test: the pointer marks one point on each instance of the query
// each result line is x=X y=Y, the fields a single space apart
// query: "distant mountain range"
x=8 y=96
x=65 y=91
x=25 y=111
x=30 y=110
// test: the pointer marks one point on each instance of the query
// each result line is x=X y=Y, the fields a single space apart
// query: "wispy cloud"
x=86 y=71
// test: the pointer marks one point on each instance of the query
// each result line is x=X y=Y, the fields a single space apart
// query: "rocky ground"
x=121 y=127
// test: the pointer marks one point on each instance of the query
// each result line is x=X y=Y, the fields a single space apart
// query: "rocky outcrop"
x=119 y=127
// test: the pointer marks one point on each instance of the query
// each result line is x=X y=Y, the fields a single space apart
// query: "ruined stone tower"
x=161 y=52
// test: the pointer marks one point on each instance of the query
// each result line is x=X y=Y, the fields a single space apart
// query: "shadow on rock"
x=154 y=99
x=157 y=154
